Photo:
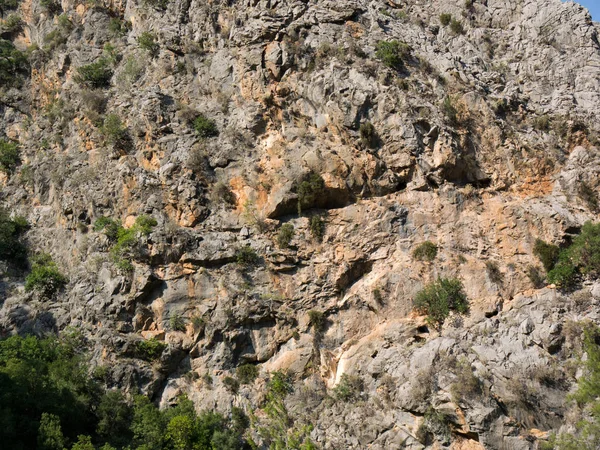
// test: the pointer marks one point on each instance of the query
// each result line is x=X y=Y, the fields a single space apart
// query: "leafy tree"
x=50 y=435
x=114 y=419
x=83 y=443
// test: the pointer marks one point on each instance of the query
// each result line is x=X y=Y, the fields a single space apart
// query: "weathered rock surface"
x=290 y=86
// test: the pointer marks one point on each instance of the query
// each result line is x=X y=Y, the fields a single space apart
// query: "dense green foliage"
x=11 y=230
x=285 y=235
x=582 y=257
x=13 y=63
x=95 y=75
x=392 y=53
x=205 y=127
x=45 y=277
x=309 y=190
x=48 y=401
x=437 y=299
x=426 y=251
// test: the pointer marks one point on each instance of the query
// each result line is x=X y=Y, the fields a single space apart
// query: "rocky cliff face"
x=478 y=138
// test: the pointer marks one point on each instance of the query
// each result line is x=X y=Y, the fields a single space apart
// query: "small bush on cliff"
x=392 y=53
x=205 y=127
x=147 y=41
x=150 y=349
x=246 y=256
x=95 y=75
x=317 y=227
x=45 y=277
x=368 y=135
x=437 y=299
x=318 y=321
x=285 y=235
x=445 y=19
x=309 y=191
x=113 y=129
x=246 y=373
x=581 y=257
x=9 y=156
x=547 y=253
x=426 y=251
x=349 y=388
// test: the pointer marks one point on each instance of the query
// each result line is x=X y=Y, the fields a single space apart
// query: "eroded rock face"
x=480 y=142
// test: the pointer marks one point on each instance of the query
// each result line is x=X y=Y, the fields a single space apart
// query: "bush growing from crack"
x=95 y=75
x=392 y=53
x=150 y=349
x=205 y=127
x=247 y=256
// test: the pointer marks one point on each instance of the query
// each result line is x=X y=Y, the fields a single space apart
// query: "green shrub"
x=11 y=230
x=128 y=241
x=150 y=349
x=45 y=277
x=176 y=322
x=426 y=251
x=445 y=19
x=392 y=53
x=317 y=227
x=231 y=384
x=205 y=127
x=8 y=5
x=368 y=135
x=285 y=235
x=13 y=64
x=437 y=299
x=349 y=388
x=317 y=320
x=247 y=373
x=147 y=41
x=457 y=27
x=9 y=156
x=247 y=256
x=110 y=227
x=12 y=24
x=309 y=191
x=95 y=75
x=113 y=129
x=547 y=253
